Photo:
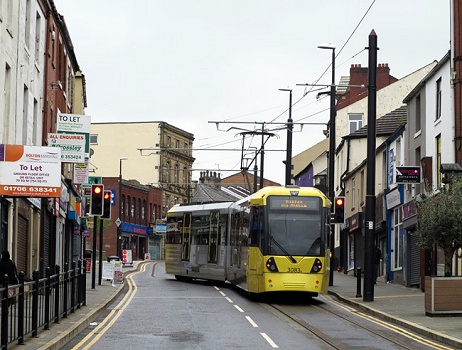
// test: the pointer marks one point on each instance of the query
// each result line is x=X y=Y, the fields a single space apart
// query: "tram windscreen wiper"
x=283 y=250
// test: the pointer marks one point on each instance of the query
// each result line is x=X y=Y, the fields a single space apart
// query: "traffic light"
x=338 y=216
x=106 y=205
x=96 y=200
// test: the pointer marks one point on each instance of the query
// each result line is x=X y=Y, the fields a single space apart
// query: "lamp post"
x=290 y=127
x=119 y=228
x=331 y=156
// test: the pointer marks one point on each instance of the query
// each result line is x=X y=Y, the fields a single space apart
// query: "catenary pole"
x=368 y=294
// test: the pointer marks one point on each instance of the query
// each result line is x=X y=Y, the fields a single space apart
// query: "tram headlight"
x=271 y=265
x=317 y=266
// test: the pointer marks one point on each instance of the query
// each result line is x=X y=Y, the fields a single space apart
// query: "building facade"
x=155 y=153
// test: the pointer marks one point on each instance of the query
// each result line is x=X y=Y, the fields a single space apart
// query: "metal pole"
x=370 y=184
x=290 y=127
x=331 y=165
x=262 y=155
x=100 y=272
x=119 y=198
x=93 y=255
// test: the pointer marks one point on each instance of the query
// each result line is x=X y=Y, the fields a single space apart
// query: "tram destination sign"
x=408 y=174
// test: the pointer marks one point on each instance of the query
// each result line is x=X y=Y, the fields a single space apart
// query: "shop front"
x=135 y=238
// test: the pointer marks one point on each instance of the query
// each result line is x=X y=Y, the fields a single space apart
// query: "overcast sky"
x=192 y=62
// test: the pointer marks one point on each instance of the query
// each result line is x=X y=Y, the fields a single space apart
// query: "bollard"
x=358 y=282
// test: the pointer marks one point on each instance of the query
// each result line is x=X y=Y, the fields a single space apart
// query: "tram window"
x=256 y=226
x=173 y=231
x=200 y=230
x=295 y=233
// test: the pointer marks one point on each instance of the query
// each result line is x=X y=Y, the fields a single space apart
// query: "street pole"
x=119 y=198
x=100 y=272
x=331 y=175
x=290 y=127
x=368 y=294
x=93 y=255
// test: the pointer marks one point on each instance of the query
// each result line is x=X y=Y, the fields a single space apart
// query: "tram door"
x=214 y=236
x=185 y=237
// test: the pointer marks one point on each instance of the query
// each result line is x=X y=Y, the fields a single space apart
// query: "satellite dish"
x=91 y=152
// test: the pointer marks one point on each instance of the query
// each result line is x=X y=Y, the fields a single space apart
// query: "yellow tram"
x=272 y=241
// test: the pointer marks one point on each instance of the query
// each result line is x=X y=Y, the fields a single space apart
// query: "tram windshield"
x=295 y=226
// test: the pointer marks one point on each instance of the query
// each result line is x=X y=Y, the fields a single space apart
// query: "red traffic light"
x=339 y=201
x=97 y=189
x=107 y=194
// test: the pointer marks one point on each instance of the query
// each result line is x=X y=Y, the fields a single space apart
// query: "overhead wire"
x=311 y=89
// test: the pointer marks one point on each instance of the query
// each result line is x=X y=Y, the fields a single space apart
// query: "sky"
x=193 y=63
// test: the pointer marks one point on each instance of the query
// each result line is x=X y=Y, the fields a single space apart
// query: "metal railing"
x=28 y=307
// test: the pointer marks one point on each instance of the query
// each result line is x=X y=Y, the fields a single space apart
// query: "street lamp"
x=290 y=127
x=119 y=228
x=331 y=156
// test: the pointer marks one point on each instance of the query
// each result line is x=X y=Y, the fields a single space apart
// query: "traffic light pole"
x=93 y=255
x=100 y=276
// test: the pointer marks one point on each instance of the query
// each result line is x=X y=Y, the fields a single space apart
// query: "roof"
x=207 y=194
x=386 y=125
x=435 y=69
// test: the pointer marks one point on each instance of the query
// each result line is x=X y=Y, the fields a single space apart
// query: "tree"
x=439 y=221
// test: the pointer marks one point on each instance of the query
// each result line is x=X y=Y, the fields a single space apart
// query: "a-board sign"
x=118 y=272
x=108 y=270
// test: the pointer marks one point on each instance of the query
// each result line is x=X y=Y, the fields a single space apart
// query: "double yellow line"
x=110 y=319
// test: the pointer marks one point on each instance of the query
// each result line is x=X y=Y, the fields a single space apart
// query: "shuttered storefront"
x=22 y=244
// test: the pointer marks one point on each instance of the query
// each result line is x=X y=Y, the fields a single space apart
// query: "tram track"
x=407 y=339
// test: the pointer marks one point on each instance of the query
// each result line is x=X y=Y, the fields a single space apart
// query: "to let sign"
x=408 y=174
x=30 y=171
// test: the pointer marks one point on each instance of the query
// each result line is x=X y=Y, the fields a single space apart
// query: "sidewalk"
x=392 y=302
x=61 y=333
x=399 y=305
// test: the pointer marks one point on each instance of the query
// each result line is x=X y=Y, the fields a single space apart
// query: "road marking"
x=251 y=321
x=269 y=340
x=223 y=294
x=110 y=319
x=237 y=307
x=392 y=327
x=229 y=299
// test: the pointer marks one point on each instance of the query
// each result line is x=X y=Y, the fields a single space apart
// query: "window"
x=418 y=115
x=438 y=160
x=94 y=139
x=185 y=176
x=355 y=122
x=417 y=162
x=397 y=239
x=167 y=173
x=27 y=24
x=132 y=211
x=6 y=100
x=362 y=196
x=438 y=99
x=185 y=148
x=176 y=174
x=143 y=210
x=127 y=206
x=169 y=141
x=353 y=193
x=124 y=205
x=38 y=41
x=177 y=144
x=25 y=116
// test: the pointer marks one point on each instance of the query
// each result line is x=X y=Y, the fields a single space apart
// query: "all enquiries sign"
x=72 y=146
